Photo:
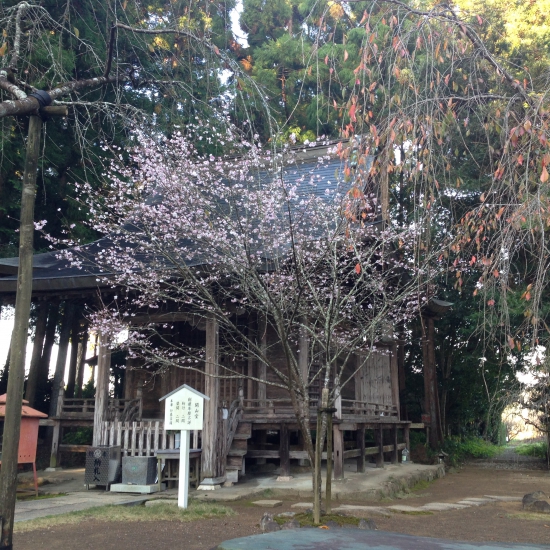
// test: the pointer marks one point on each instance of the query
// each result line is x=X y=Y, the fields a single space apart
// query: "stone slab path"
x=444 y=506
x=33 y=509
x=406 y=509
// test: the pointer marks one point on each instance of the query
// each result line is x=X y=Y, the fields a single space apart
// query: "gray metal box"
x=102 y=465
x=139 y=470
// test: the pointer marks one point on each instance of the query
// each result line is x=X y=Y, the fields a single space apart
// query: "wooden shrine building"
x=246 y=421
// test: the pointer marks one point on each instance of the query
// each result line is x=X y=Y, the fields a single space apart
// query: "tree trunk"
x=59 y=375
x=5 y=373
x=430 y=381
x=44 y=366
x=80 y=362
x=12 y=423
x=73 y=362
x=38 y=345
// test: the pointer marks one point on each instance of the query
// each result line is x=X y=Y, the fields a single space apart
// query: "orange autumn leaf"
x=358 y=269
x=544 y=175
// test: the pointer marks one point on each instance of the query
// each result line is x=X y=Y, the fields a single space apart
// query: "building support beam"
x=262 y=367
x=379 y=435
x=210 y=448
x=284 y=453
x=360 y=435
x=338 y=452
x=395 y=452
x=102 y=387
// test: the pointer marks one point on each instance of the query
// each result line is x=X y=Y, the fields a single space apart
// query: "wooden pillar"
x=262 y=367
x=209 y=456
x=102 y=387
x=39 y=335
x=59 y=375
x=338 y=452
x=55 y=456
x=395 y=452
x=360 y=438
x=394 y=371
x=12 y=422
x=379 y=433
x=251 y=366
x=358 y=377
x=284 y=453
x=407 y=436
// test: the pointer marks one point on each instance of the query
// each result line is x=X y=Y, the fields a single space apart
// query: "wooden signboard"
x=184 y=411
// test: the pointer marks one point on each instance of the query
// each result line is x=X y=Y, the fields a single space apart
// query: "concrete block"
x=141 y=489
x=268 y=503
x=304 y=505
x=232 y=475
x=405 y=508
x=443 y=506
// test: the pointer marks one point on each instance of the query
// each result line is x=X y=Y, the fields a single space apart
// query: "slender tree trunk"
x=5 y=373
x=12 y=423
x=73 y=362
x=49 y=341
x=82 y=348
x=38 y=345
x=66 y=325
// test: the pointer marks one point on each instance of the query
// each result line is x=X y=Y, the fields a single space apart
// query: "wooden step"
x=242 y=436
x=239 y=444
x=234 y=463
x=237 y=452
x=244 y=428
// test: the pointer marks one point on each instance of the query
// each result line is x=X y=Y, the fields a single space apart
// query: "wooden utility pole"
x=14 y=398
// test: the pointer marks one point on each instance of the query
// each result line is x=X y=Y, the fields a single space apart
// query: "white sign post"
x=184 y=411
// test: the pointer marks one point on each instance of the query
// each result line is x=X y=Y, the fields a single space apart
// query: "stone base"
x=211 y=483
x=208 y=487
x=284 y=478
x=232 y=475
x=141 y=489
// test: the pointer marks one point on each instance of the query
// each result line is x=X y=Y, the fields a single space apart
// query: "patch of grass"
x=306 y=520
x=532 y=449
x=532 y=516
x=31 y=496
x=160 y=512
x=421 y=485
x=268 y=493
x=460 y=449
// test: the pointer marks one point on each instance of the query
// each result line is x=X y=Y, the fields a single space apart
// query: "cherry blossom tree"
x=254 y=236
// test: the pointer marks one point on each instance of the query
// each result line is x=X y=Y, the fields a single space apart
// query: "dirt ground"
x=492 y=522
